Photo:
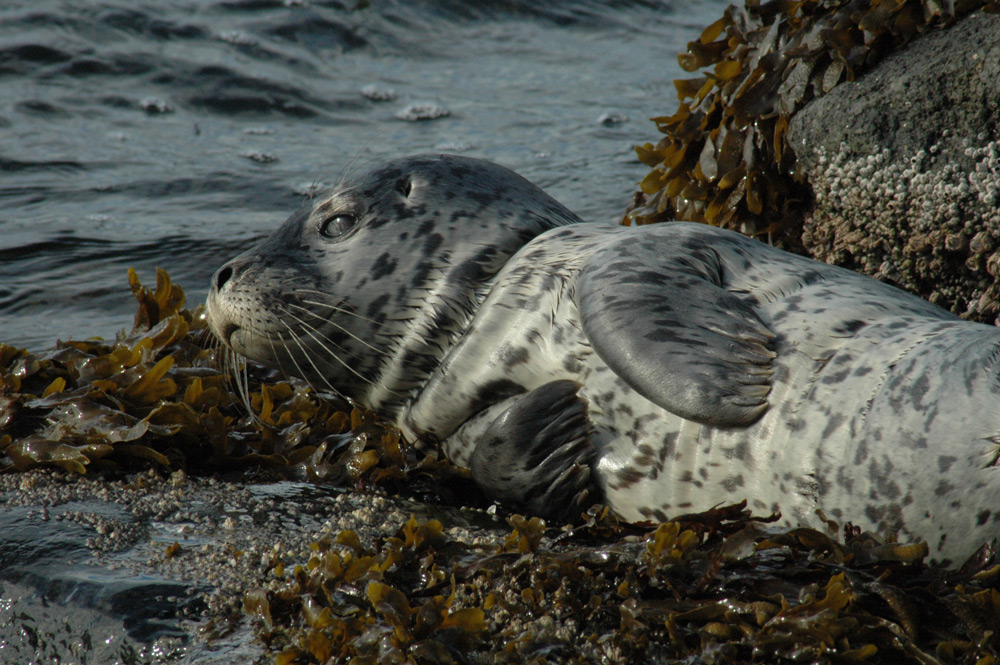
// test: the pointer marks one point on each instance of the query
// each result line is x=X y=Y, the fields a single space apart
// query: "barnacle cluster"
x=927 y=226
x=726 y=159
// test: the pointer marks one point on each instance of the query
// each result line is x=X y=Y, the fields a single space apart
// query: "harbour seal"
x=661 y=369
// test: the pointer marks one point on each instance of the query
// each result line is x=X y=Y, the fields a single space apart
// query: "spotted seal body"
x=661 y=369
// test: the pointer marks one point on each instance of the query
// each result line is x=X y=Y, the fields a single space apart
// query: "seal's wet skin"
x=662 y=369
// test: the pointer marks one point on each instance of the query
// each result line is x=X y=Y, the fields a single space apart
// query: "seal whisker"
x=242 y=377
x=302 y=375
x=309 y=331
x=338 y=327
x=234 y=369
x=224 y=361
x=274 y=353
x=347 y=169
x=336 y=308
x=342 y=310
x=381 y=327
x=305 y=354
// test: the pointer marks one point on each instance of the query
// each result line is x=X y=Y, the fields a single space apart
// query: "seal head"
x=367 y=289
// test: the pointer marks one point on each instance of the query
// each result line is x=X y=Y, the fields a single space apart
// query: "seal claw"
x=537 y=455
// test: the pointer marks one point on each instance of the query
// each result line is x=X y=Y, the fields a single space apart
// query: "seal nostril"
x=222 y=277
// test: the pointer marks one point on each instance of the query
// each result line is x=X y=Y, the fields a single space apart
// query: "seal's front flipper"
x=661 y=315
x=537 y=455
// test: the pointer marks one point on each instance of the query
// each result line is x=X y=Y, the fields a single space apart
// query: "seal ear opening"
x=404 y=186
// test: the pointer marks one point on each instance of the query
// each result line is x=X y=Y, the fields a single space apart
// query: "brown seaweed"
x=716 y=586
x=156 y=397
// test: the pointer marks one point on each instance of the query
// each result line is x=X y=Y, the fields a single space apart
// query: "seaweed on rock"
x=716 y=587
x=725 y=159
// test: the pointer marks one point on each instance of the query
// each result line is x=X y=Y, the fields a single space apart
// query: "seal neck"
x=434 y=325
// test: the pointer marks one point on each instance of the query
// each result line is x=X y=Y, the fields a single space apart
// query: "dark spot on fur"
x=432 y=243
x=733 y=482
x=384 y=265
x=376 y=305
x=511 y=357
x=628 y=477
x=945 y=462
x=833 y=424
x=796 y=425
x=851 y=327
x=426 y=227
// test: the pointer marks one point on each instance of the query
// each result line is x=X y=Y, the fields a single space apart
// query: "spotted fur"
x=713 y=368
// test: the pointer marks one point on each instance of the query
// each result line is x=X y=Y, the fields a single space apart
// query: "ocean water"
x=172 y=133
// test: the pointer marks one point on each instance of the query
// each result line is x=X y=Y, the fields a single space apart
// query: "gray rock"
x=904 y=165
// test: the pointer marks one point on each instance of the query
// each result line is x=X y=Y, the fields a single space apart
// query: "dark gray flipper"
x=537 y=455
x=659 y=315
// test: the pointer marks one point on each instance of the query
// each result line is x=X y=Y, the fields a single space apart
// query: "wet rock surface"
x=85 y=570
x=904 y=167
x=152 y=567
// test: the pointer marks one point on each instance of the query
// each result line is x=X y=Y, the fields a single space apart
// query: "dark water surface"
x=172 y=133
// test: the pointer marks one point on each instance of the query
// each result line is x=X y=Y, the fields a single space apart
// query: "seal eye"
x=337 y=225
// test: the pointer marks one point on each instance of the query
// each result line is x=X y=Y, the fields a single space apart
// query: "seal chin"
x=222 y=329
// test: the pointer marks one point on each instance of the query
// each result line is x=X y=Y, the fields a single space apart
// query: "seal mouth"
x=226 y=333
x=223 y=327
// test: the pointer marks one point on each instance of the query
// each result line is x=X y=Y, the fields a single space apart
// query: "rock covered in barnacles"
x=726 y=157
x=904 y=165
